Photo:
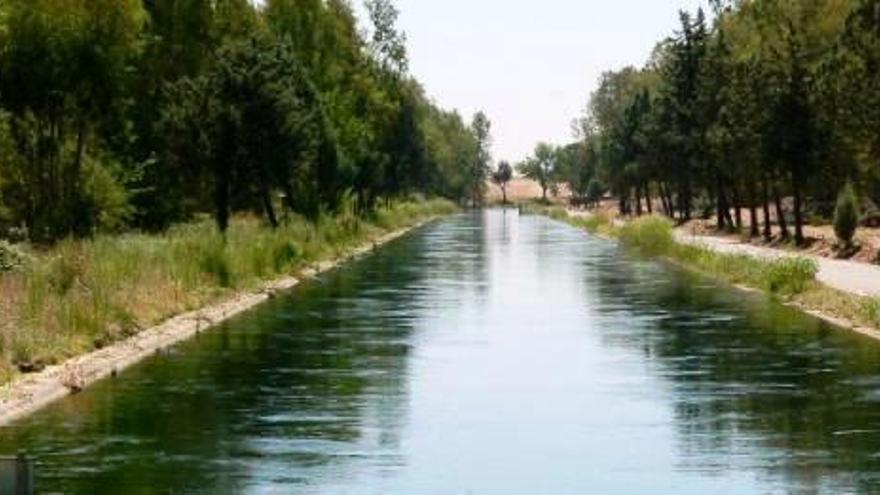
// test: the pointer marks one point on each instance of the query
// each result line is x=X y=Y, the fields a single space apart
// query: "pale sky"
x=529 y=65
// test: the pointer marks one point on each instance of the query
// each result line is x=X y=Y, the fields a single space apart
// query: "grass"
x=596 y=223
x=785 y=276
x=792 y=279
x=82 y=295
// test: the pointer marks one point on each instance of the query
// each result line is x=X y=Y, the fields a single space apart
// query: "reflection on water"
x=487 y=353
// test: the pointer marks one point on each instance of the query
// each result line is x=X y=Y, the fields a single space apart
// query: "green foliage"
x=64 y=69
x=257 y=125
x=452 y=151
x=284 y=255
x=597 y=223
x=768 y=101
x=541 y=167
x=502 y=175
x=576 y=165
x=83 y=294
x=846 y=215
x=215 y=262
x=123 y=113
x=478 y=168
x=790 y=275
x=649 y=235
x=785 y=276
x=12 y=257
x=870 y=309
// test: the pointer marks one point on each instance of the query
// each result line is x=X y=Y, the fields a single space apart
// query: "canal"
x=487 y=353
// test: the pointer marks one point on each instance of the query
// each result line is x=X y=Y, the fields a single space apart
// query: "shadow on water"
x=754 y=384
x=282 y=396
x=487 y=353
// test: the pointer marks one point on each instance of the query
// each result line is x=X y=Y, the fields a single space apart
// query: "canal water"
x=488 y=353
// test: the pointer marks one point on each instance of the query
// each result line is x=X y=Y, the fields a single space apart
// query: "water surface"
x=488 y=353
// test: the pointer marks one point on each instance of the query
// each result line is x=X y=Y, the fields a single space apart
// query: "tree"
x=479 y=168
x=134 y=113
x=451 y=153
x=257 y=121
x=846 y=216
x=541 y=167
x=501 y=177
x=594 y=193
x=576 y=166
x=64 y=67
x=388 y=44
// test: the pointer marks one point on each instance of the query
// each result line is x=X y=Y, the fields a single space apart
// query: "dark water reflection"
x=486 y=354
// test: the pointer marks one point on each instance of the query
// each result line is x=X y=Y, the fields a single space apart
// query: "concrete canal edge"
x=32 y=392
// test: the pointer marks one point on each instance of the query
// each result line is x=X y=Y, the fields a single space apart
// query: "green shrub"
x=870 y=308
x=790 y=275
x=846 y=215
x=285 y=255
x=12 y=257
x=592 y=223
x=215 y=261
x=650 y=235
x=68 y=266
x=84 y=294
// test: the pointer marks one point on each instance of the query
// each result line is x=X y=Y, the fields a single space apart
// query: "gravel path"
x=848 y=276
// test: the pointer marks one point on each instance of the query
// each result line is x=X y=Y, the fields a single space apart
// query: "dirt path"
x=848 y=276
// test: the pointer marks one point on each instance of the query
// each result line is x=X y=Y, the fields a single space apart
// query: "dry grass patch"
x=83 y=295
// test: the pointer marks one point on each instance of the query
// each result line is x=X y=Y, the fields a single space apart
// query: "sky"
x=529 y=65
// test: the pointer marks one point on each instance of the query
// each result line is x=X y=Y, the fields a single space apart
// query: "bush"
x=215 y=261
x=12 y=258
x=846 y=215
x=285 y=255
x=650 y=235
x=84 y=294
x=790 y=275
x=593 y=223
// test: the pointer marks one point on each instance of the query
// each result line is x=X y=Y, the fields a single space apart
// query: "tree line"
x=764 y=110
x=121 y=114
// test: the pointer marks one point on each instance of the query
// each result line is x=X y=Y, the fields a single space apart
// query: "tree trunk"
x=686 y=201
x=720 y=205
x=221 y=198
x=270 y=210
x=666 y=200
x=753 y=214
x=727 y=217
x=737 y=210
x=647 y=187
x=798 y=214
x=780 y=215
x=768 y=230
x=504 y=194
x=638 y=195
